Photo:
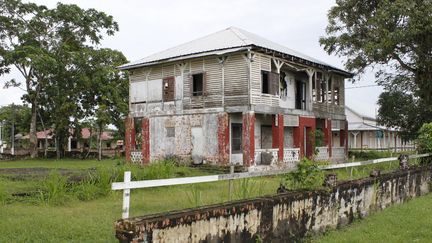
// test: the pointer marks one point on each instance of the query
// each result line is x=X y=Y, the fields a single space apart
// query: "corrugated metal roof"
x=361 y=126
x=225 y=39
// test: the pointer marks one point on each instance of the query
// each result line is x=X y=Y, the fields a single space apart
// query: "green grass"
x=27 y=219
x=57 y=164
x=409 y=222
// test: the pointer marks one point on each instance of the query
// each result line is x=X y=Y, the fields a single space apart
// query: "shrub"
x=54 y=189
x=307 y=176
x=424 y=141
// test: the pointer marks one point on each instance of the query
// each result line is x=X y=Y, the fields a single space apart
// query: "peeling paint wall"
x=194 y=137
x=280 y=218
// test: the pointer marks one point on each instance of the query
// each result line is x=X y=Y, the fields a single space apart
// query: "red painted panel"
x=129 y=137
x=145 y=126
x=223 y=138
x=298 y=133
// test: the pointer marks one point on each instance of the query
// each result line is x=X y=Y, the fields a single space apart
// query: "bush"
x=54 y=189
x=424 y=141
x=307 y=176
x=96 y=184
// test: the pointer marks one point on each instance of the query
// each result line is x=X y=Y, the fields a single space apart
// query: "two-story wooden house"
x=235 y=97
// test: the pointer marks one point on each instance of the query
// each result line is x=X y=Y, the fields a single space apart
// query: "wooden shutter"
x=168 y=88
x=204 y=80
x=273 y=83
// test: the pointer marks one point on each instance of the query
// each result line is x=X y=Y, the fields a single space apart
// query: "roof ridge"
x=238 y=32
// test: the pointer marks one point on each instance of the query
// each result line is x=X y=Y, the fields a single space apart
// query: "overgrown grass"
x=85 y=210
x=408 y=222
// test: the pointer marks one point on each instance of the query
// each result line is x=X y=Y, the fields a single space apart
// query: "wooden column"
x=145 y=126
x=223 y=138
x=129 y=137
x=248 y=138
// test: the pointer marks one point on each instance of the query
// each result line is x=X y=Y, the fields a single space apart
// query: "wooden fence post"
x=230 y=189
x=126 y=195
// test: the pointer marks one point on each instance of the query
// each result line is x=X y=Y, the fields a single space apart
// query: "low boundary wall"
x=279 y=218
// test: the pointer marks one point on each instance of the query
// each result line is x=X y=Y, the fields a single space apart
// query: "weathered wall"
x=280 y=218
x=185 y=136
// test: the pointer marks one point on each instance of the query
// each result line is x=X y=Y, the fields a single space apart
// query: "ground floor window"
x=236 y=138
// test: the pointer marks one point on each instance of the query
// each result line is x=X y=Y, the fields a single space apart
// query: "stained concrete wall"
x=195 y=137
x=280 y=218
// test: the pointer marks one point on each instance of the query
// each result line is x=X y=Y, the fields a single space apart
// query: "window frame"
x=203 y=89
x=239 y=139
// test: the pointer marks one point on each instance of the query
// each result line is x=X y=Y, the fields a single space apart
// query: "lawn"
x=409 y=222
x=29 y=218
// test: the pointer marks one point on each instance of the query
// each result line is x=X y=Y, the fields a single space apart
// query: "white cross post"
x=126 y=195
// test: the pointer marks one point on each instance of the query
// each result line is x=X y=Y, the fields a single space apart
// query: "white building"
x=365 y=133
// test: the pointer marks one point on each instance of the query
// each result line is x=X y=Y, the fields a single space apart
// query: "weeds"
x=195 y=196
x=307 y=176
x=54 y=189
x=3 y=194
x=245 y=188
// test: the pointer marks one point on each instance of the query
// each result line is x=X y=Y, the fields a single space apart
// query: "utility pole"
x=13 y=130
x=1 y=136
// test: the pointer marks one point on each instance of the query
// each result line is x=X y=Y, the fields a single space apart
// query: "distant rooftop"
x=232 y=38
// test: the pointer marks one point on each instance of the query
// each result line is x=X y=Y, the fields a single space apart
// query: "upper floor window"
x=336 y=96
x=329 y=91
x=269 y=83
x=168 y=86
x=198 y=84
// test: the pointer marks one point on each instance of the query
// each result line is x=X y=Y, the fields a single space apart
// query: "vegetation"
x=307 y=176
x=392 y=37
x=63 y=68
x=399 y=223
x=72 y=199
x=19 y=115
x=424 y=141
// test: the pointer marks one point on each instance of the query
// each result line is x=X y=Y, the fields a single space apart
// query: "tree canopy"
x=395 y=38
x=56 y=51
x=17 y=115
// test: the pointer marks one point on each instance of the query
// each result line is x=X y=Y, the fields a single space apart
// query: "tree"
x=393 y=36
x=17 y=115
x=33 y=37
x=92 y=89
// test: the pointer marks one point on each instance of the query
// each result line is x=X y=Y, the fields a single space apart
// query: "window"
x=170 y=132
x=168 y=86
x=270 y=83
x=300 y=95
x=329 y=91
x=323 y=91
x=236 y=138
x=320 y=87
x=265 y=82
x=198 y=83
x=336 y=96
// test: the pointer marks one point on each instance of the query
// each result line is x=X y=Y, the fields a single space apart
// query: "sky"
x=147 y=27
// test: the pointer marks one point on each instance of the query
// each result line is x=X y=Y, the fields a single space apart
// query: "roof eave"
x=186 y=56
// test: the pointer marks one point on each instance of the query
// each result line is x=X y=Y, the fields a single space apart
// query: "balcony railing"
x=323 y=154
x=270 y=157
x=291 y=157
x=338 y=153
x=266 y=156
